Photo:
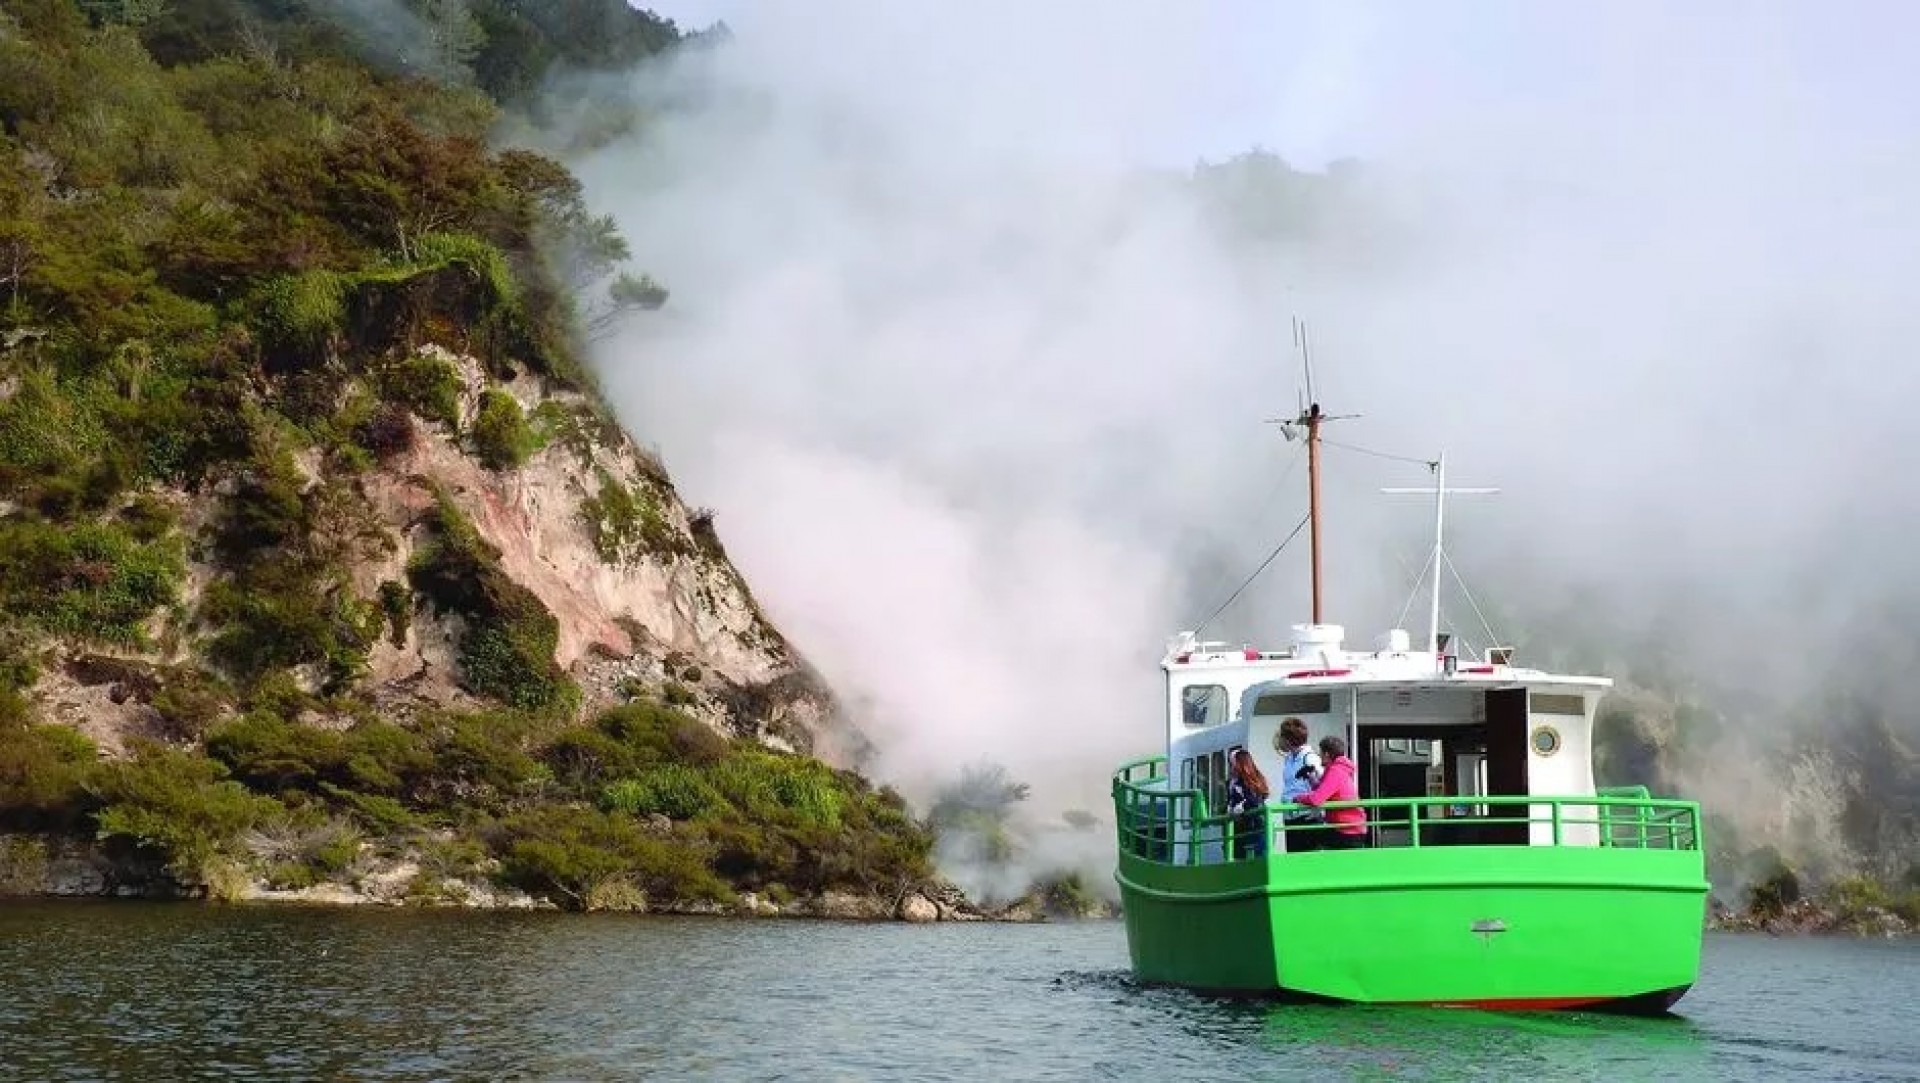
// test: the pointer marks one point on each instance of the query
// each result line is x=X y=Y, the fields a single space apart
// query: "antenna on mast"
x=1310 y=419
x=1440 y=493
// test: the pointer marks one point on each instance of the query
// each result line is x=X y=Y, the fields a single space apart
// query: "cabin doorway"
x=1397 y=761
x=1506 y=752
x=1412 y=760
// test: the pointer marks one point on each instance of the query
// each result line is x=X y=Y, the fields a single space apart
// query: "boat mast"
x=1311 y=419
x=1438 y=561
x=1439 y=525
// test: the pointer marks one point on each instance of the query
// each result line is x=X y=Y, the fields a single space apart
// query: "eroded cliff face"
x=644 y=599
x=1821 y=792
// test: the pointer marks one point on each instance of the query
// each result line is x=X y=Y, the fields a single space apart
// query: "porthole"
x=1546 y=740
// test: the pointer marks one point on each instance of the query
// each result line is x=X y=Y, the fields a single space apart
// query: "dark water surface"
x=179 y=991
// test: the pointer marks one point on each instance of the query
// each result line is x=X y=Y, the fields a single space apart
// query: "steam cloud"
x=977 y=387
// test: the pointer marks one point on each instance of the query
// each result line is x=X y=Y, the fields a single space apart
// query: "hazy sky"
x=1325 y=79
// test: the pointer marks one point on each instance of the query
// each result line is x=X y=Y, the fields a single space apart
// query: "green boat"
x=1492 y=872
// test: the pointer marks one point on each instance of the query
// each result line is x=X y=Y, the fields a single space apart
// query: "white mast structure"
x=1440 y=493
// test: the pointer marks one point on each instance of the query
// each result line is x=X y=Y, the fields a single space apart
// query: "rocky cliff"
x=325 y=574
x=641 y=597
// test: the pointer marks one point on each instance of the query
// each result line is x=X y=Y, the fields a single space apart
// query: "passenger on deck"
x=1340 y=783
x=1247 y=792
x=1300 y=771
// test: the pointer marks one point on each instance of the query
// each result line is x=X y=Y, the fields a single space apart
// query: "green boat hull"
x=1482 y=926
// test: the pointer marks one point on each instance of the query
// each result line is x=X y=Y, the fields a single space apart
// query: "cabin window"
x=1216 y=783
x=1203 y=704
x=1552 y=703
x=1546 y=740
x=1284 y=703
x=1207 y=775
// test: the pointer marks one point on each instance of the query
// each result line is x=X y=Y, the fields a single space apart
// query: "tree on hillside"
x=454 y=37
x=126 y=12
x=585 y=250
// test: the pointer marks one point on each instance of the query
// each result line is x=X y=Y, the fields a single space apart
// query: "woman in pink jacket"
x=1340 y=783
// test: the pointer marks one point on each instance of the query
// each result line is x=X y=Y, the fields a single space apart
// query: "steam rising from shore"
x=976 y=384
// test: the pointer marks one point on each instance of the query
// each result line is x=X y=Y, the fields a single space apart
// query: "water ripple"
x=148 y=991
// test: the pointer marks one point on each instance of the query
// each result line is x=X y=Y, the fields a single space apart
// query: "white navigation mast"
x=1440 y=493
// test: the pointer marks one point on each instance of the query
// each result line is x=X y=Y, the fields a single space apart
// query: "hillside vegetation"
x=280 y=333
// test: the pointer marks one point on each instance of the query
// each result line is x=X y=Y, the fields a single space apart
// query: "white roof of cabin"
x=1330 y=667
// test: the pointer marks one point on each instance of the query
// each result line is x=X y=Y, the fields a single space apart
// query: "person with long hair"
x=1247 y=793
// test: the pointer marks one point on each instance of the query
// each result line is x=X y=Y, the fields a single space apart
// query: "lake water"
x=155 y=991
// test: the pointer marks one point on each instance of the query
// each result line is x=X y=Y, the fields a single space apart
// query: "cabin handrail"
x=1152 y=767
x=1146 y=818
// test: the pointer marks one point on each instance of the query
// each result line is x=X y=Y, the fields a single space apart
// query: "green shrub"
x=44 y=771
x=275 y=756
x=568 y=854
x=1069 y=895
x=396 y=601
x=1854 y=900
x=455 y=856
x=501 y=436
x=425 y=384
x=300 y=850
x=654 y=733
x=268 y=623
x=385 y=433
x=1774 y=891
x=1856 y=893
x=382 y=758
x=271 y=754
x=88 y=581
x=482 y=760
x=781 y=788
x=670 y=789
x=148 y=518
x=180 y=806
x=626 y=523
x=52 y=427
x=302 y=314
x=583 y=428
x=381 y=814
x=582 y=757
x=189 y=703
x=484 y=260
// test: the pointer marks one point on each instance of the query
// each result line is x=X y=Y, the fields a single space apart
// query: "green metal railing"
x=1174 y=826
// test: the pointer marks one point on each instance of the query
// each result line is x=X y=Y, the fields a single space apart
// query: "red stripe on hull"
x=1545 y=1004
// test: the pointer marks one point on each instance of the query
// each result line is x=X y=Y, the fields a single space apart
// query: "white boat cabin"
x=1418 y=724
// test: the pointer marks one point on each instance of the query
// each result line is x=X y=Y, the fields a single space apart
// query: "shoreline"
x=42 y=868
x=865 y=910
x=912 y=907
x=858 y=909
x=53 y=868
x=1812 y=917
